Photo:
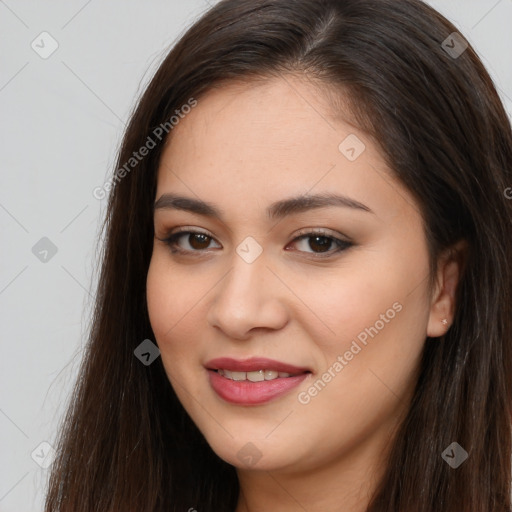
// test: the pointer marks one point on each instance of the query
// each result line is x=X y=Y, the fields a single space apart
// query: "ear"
x=442 y=305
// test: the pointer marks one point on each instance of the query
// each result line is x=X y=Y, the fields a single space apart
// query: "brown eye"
x=188 y=242
x=320 y=244
x=198 y=240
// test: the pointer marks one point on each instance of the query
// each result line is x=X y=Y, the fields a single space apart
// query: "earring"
x=444 y=321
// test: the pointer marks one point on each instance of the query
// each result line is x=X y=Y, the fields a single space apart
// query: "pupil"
x=323 y=246
x=197 y=237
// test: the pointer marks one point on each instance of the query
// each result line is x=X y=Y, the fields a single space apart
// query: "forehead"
x=278 y=111
x=267 y=140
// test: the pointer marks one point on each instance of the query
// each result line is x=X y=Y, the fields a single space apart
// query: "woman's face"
x=331 y=291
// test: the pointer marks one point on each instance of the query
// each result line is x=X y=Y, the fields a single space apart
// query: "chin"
x=258 y=455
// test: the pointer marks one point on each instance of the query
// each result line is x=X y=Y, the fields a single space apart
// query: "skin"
x=241 y=148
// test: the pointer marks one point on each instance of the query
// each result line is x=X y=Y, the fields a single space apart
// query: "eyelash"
x=342 y=245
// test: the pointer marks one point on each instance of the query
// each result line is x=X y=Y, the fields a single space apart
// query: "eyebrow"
x=276 y=210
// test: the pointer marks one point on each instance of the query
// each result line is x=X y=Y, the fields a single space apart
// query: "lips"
x=253 y=381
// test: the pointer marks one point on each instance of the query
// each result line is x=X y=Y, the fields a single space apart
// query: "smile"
x=253 y=381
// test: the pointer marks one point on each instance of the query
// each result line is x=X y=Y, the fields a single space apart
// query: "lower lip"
x=252 y=393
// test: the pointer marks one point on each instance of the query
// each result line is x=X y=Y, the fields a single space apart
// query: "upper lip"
x=252 y=364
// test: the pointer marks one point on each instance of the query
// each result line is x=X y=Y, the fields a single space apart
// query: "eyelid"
x=190 y=229
x=323 y=232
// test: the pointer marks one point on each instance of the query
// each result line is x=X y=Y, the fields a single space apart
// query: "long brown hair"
x=128 y=445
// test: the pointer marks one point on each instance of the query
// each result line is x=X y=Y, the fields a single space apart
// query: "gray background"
x=62 y=121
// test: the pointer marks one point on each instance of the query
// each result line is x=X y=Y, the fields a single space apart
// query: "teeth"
x=256 y=376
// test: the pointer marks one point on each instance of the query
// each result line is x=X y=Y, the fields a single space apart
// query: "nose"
x=249 y=298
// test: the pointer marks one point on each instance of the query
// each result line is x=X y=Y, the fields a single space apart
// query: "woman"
x=309 y=219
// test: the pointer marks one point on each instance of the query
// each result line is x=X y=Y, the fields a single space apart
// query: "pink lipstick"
x=253 y=381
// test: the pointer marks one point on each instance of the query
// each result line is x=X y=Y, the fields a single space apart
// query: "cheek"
x=376 y=317
x=368 y=375
x=340 y=309
x=174 y=306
